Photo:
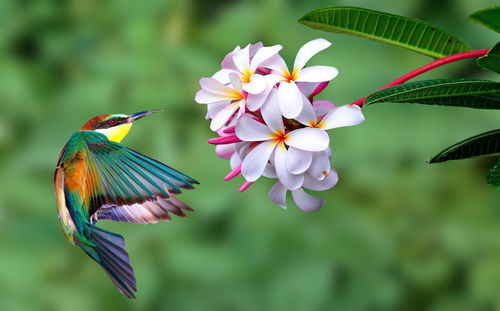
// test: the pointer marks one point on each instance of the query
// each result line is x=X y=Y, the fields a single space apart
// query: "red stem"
x=434 y=64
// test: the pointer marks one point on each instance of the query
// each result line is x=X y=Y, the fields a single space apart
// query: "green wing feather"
x=122 y=176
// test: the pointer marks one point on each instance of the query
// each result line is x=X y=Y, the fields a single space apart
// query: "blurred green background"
x=394 y=234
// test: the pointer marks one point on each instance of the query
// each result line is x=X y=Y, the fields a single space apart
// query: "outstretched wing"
x=151 y=211
x=125 y=185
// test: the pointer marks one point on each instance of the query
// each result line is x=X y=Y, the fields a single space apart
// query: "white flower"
x=245 y=62
x=223 y=101
x=304 y=200
x=274 y=140
x=246 y=102
x=289 y=95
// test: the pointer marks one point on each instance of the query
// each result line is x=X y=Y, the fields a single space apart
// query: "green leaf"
x=491 y=61
x=480 y=145
x=493 y=177
x=401 y=31
x=471 y=93
x=489 y=17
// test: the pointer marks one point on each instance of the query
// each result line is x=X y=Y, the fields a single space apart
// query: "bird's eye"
x=113 y=122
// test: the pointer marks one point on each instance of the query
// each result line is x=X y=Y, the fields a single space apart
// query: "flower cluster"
x=269 y=124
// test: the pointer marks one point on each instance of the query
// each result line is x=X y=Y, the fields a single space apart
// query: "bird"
x=97 y=178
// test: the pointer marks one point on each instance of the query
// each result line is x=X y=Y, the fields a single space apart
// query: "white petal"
x=317 y=74
x=288 y=180
x=289 y=99
x=235 y=81
x=255 y=101
x=256 y=85
x=249 y=129
x=322 y=107
x=235 y=160
x=214 y=86
x=320 y=185
x=309 y=139
x=254 y=48
x=242 y=149
x=223 y=116
x=276 y=63
x=346 y=115
x=205 y=97
x=241 y=59
x=270 y=170
x=277 y=194
x=307 y=116
x=320 y=165
x=215 y=108
x=223 y=75
x=305 y=201
x=307 y=88
x=241 y=152
x=308 y=50
x=271 y=113
x=297 y=160
x=227 y=62
x=256 y=160
x=225 y=151
x=241 y=111
x=262 y=55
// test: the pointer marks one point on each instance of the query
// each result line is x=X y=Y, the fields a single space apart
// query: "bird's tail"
x=109 y=251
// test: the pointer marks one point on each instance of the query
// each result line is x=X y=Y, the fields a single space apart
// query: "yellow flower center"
x=235 y=95
x=246 y=77
x=279 y=137
x=291 y=76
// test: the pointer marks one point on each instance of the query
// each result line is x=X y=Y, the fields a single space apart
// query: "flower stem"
x=434 y=64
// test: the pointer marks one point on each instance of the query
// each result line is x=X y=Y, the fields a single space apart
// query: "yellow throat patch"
x=116 y=133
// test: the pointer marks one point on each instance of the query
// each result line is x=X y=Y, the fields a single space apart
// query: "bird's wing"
x=125 y=185
x=143 y=213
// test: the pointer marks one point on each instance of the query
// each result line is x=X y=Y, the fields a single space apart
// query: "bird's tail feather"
x=109 y=251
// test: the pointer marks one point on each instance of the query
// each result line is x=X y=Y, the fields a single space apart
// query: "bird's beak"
x=137 y=116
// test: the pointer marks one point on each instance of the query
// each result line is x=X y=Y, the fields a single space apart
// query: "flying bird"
x=97 y=178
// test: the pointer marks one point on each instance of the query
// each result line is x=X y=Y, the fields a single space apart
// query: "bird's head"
x=114 y=126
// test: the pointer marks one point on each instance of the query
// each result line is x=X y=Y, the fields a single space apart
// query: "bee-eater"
x=98 y=178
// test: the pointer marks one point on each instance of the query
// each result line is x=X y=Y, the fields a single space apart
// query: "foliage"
x=494 y=176
x=491 y=61
x=479 y=145
x=425 y=38
x=445 y=92
x=489 y=17
x=398 y=30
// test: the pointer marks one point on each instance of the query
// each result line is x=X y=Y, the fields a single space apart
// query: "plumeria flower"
x=246 y=102
x=223 y=101
x=244 y=63
x=304 y=200
x=275 y=140
x=289 y=94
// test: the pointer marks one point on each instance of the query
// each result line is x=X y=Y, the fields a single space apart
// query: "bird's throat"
x=116 y=133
